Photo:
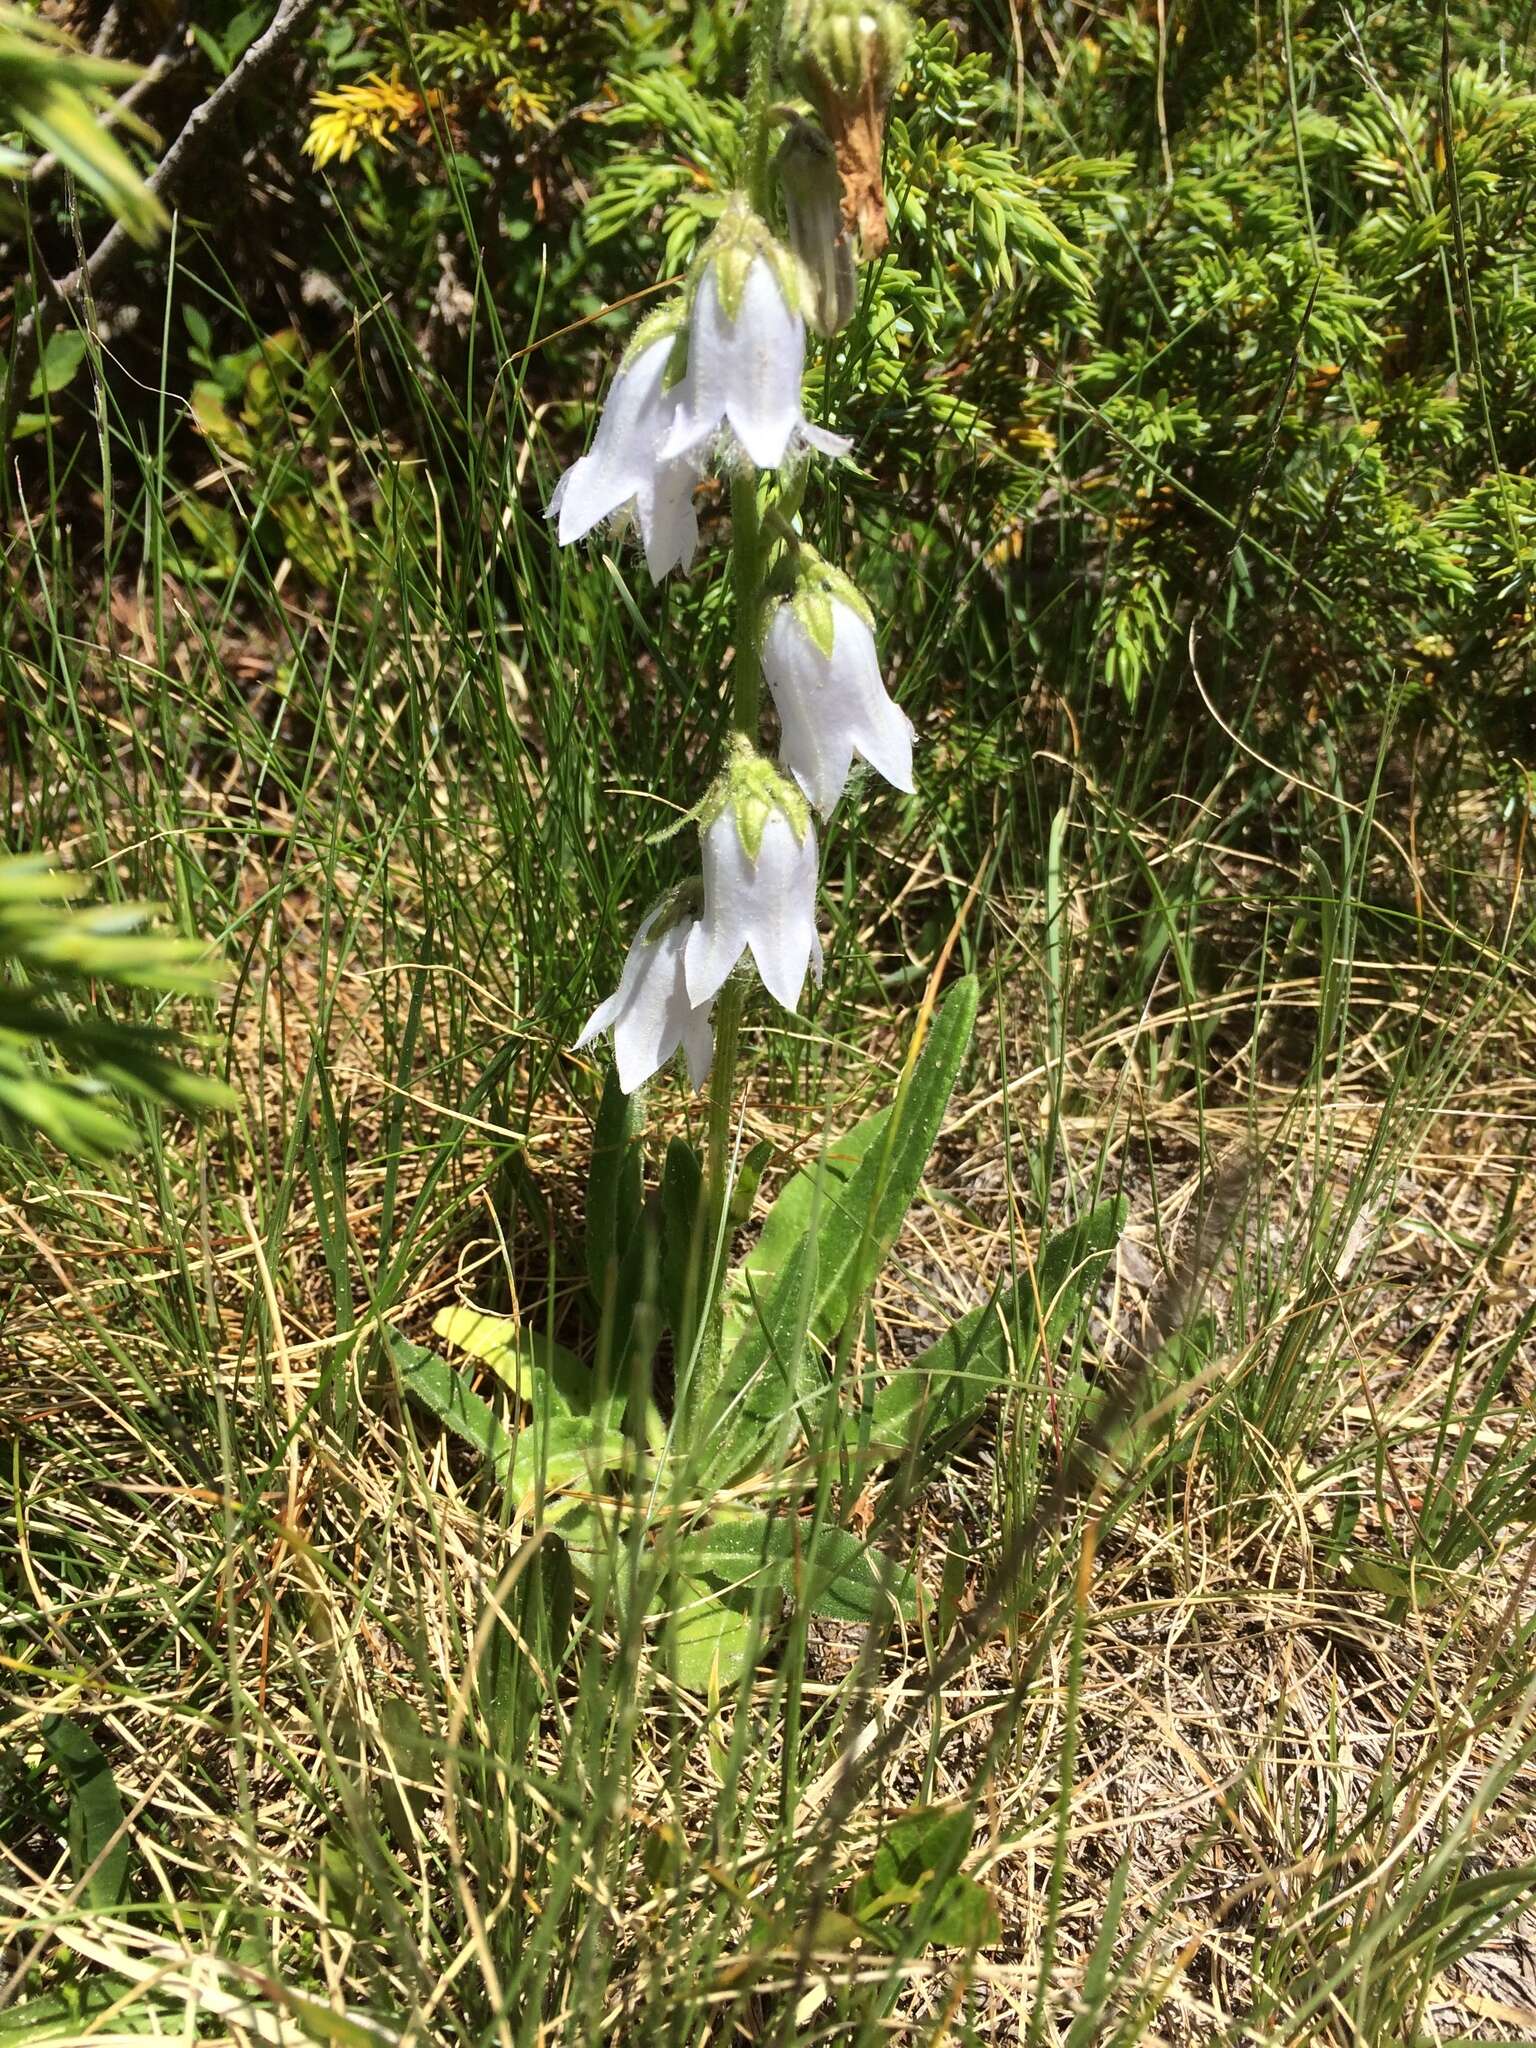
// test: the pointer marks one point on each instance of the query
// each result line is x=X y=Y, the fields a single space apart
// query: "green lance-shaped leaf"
x=752 y=1551
x=613 y=1189
x=684 y=1253
x=914 y=1886
x=548 y=1456
x=99 y=1847
x=946 y=1388
x=434 y=1385
x=789 y=1219
x=773 y=1372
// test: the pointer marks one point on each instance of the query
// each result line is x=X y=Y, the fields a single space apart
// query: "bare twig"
x=169 y=174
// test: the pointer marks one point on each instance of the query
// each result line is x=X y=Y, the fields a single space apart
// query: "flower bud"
x=818 y=234
x=849 y=55
x=848 y=49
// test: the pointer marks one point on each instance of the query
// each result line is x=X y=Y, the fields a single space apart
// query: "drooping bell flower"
x=746 y=350
x=626 y=472
x=759 y=882
x=820 y=663
x=650 y=1013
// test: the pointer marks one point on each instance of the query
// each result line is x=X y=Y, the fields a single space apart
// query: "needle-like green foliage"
x=57 y=96
x=66 y=1066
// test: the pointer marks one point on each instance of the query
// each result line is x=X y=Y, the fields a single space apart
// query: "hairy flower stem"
x=747 y=561
x=767 y=15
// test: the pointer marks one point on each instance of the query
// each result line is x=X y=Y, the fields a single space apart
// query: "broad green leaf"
x=592 y=1532
x=851 y=1582
x=572 y=1453
x=914 y=1885
x=73 y=2013
x=434 y=1385
x=947 y=1387
x=99 y=1847
x=711 y=1640
x=525 y=1361
x=773 y=1372
x=774 y=1387
x=62 y=355
x=613 y=1188
x=788 y=1220
x=552 y=1455
x=684 y=1254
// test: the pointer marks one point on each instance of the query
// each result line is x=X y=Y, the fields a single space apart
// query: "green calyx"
x=752 y=789
x=741 y=238
x=817 y=588
x=669 y=319
x=847 y=49
x=678 y=906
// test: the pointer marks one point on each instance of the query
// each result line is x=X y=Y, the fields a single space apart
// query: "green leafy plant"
x=735 y=1483
x=65 y=1067
x=57 y=96
x=752 y=1430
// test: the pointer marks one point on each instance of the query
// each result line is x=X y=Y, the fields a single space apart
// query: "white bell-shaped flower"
x=625 y=472
x=650 y=1013
x=820 y=662
x=759 y=883
x=746 y=350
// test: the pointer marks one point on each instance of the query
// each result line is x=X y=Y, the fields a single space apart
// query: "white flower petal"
x=669 y=525
x=763 y=403
x=833 y=706
x=649 y=1014
x=881 y=732
x=744 y=373
x=699 y=1044
x=719 y=938
x=815 y=745
x=783 y=924
x=601 y=1020
x=635 y=963
x=625 y=453
x=823 y=439
x=651 y=1028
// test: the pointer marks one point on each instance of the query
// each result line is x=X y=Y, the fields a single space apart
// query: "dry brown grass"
x=1266 y=1741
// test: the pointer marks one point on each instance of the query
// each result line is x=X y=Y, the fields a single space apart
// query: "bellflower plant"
x=763 y=1407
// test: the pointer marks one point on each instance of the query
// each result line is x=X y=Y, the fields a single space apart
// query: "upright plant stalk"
x=747 y=671
x=717 y=375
